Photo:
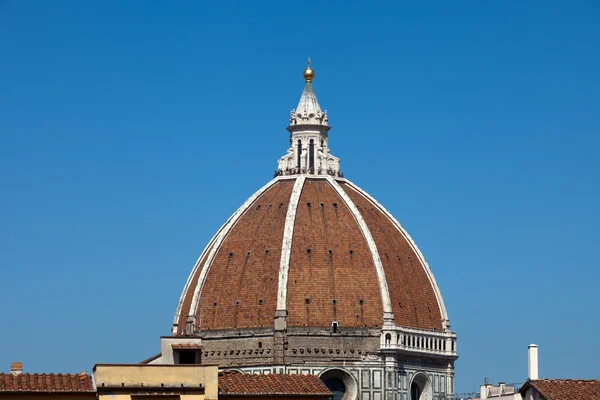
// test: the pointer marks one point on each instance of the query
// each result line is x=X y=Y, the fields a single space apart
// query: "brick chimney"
x=16 y=368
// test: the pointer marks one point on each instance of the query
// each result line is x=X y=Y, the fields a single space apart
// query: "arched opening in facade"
x=311 y=156
x=337 y=388
x=341 y=383
x=299 y=154
x=420 y=387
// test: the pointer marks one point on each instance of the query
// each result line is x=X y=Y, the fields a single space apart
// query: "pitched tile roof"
x=46 y=383
x=565 y=389
x=238 y=383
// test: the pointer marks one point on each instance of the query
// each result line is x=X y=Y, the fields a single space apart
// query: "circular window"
x=341 y=383
x=337 y=387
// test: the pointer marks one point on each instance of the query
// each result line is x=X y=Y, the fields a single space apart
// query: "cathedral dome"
x=311 y=249
x=319 y=248
x=311 y=275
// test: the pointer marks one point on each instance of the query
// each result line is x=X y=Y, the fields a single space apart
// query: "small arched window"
x=311 y=156
x=299 y=152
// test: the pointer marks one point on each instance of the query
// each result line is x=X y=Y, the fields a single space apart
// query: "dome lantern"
x=309 y=139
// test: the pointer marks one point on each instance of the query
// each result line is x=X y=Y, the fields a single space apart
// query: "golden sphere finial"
x=309 y=73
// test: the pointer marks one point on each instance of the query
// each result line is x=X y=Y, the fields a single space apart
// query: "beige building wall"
x=186 y=382
x=48 y=396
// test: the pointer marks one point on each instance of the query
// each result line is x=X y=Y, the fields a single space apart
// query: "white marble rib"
x=220 y=237
x=436 y=290
x=286 y=246
x=189 y=282
x=383 y=287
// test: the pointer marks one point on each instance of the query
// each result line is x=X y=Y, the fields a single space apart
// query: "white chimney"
x=532 y=350
x=502 y=385
x=483 y=390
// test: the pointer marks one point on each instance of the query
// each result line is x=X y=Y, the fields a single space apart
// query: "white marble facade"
x=376 y=382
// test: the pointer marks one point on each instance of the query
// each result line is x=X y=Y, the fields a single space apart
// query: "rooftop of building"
x=271 y=384
x=565 y=389
x=17 y=381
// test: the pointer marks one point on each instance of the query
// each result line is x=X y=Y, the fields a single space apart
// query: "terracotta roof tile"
x=46 y=383
x=566 y=389
x=334 y=275
x=334 y=278
x=238 y=383
x=250 y=252
x=191 y=346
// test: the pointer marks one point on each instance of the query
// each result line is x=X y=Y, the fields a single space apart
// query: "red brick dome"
x=317 y=249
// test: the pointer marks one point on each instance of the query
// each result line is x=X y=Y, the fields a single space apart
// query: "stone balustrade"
x=419 y=341
x=309 y=171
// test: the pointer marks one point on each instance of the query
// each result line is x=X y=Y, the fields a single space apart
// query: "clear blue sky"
x=130 y=131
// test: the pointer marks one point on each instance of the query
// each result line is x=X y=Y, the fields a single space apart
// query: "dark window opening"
x=187 y=357
x=415 y=392
x=260 y=345
x=311 y=156
x=337 y=387
x=334 y=326
x=299 y=153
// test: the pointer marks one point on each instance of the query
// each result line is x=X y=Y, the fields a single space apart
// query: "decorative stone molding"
x=286 y=247
x=419 y=341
